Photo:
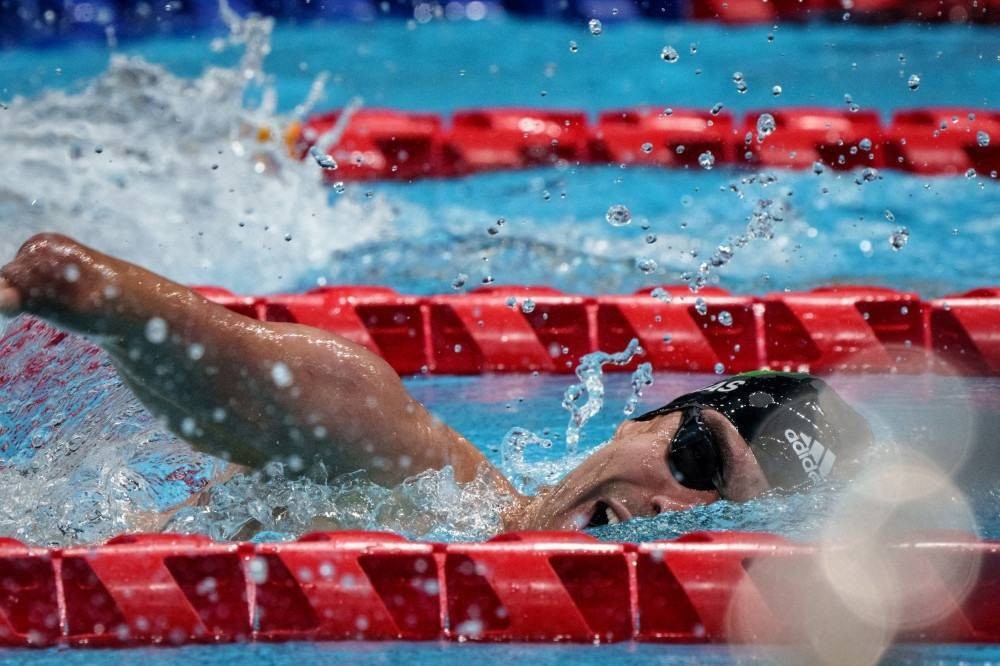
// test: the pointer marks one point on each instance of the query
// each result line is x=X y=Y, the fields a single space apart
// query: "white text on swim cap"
x=816 y=459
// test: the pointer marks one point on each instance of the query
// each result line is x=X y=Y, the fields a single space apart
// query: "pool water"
x=156 y=159
x=419 y=654
x=153 y=156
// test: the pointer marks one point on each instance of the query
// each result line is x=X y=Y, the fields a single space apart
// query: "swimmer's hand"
x=10 y=298
x=38 y=279
x=51 y=275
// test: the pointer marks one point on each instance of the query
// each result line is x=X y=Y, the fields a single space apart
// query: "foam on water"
x=82 y=459
x=187 y=176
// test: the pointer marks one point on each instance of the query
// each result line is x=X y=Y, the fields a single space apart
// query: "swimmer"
x=252 y=392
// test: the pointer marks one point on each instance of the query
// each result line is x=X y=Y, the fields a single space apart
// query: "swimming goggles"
x=694 y=456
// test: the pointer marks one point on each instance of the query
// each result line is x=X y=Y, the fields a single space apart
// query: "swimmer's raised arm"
x=246 y=390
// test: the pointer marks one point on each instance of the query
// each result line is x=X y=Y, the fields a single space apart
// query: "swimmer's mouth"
x=603 y=515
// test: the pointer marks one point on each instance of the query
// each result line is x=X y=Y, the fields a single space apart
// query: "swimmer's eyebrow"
x=722 y=427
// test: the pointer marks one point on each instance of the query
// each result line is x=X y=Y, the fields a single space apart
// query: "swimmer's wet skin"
x=252 y=392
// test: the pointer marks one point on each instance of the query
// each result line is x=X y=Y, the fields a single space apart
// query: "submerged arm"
x=246 y=390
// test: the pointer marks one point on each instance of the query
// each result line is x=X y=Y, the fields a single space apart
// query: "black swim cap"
x=798 y=428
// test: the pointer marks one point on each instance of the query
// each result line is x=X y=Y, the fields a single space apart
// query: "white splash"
x=188 y=176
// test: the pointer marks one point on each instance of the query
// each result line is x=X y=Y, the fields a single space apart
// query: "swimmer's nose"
x=663 y=503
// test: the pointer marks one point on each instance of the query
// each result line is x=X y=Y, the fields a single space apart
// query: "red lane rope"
x=830 y=329
x=704 y=587
x=385 y=144
x=880 y=11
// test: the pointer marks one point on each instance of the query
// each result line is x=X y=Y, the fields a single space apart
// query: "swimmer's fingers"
x=10 y=298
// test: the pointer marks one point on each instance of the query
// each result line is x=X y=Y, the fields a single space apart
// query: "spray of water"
x=142 y=159
x=761 y=224
x=590 y=372
x=529 y=475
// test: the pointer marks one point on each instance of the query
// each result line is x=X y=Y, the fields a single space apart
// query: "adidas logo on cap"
x=816 y=459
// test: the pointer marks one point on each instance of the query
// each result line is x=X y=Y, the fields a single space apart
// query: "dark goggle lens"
x=694 y=457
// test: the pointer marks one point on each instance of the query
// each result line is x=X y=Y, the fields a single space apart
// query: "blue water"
x=151 y=194
x=200 y=194
x=419 y=654
x=441 y=66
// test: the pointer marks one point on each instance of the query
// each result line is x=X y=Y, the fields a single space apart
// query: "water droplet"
x=71 y=273
x=865 y=144
x=528 y=306
x=650 y=238
x=338 y=187
x=618 y=215
x=281 y=375
x=776 y=91
x=459 y=281
x=865 y=246
x=288 y=237
x=706 y=160
x=156 y=330
x=719 y=368
x=913 y=82
x=669 y=54
x=188 y=426
x=740 y=82
x=595 y=26
x=765 y=126
x=725 y=318
x=898 y=238
x=867 y=175
x=646 y=266
x=818 y=168
x=661 y=295
x=716 y=109
x=322 y=159
x=258 y=570
x=573 y=48
x=889 y=215
x=970 y=173
x=700 y=306
x=982 y=138
x=647 y=147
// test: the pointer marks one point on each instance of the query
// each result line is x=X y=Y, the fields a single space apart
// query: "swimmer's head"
x=733 y=440
x=796 y=426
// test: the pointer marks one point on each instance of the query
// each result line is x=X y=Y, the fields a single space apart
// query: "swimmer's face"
x=630 y=477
